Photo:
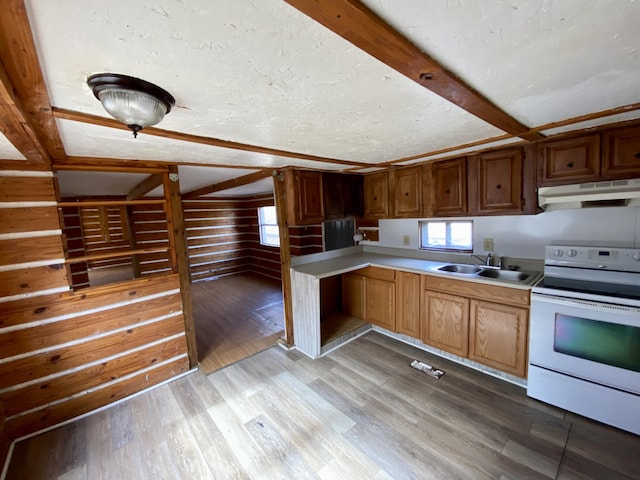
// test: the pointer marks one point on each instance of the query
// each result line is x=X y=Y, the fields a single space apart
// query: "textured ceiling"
x=264 y=74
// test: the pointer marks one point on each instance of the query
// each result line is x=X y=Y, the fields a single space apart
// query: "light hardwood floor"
x=360 y=412
x=235 y=317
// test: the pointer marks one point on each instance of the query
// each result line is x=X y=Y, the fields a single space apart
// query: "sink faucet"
x=487 y=261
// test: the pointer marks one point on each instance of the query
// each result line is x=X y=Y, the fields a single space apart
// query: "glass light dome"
x=135 y=102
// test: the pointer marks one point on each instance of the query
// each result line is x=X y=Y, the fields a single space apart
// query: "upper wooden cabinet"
x=406 y=191
x=376 y=195
x=622 y=153
x=343 y=195
x=572 y=160
x=445 y=188
x=304 y=197
x=502 y=182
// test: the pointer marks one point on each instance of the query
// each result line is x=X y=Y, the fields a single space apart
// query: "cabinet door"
x=342 y=195
x=447 y=188
x=353 y=296
x=445 y=322
x=333 y=195
x=572 y=160
x=407 y=192
x=498 y=336
x=352 y=187
x=408 y=304
x=497 y=180
x=376 y=195
x=311 y=208
x=381 y=303
x=304 y=203
x=622 y=153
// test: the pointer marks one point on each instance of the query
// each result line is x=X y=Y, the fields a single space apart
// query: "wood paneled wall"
x=62 y=352
x=105 y=230
x=224 y=239
x=148 y=224
x=305 y=240
x=4 y=439
x=74 y=246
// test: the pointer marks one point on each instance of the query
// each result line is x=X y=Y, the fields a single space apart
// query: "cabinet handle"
x=499 y=186
x=375 y=198
x=570 y=164
x=406 y=194
x=447 y=192
x=637 y=155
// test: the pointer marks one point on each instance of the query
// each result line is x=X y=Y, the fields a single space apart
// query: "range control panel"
x=593 y=257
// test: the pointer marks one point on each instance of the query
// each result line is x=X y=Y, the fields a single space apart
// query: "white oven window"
x=603 y=342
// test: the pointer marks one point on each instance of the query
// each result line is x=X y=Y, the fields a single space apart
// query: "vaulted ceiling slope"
x=330 y=84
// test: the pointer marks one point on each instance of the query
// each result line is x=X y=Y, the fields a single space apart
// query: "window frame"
x=447 y=247
x=262 y=223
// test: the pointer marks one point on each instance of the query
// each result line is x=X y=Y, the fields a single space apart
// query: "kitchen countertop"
x=355 y=261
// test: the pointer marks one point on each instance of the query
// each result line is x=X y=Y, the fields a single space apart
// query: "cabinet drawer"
x=494 y=293
x=379 y=273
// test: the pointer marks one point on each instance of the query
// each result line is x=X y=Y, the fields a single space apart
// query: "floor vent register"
x=428 y=369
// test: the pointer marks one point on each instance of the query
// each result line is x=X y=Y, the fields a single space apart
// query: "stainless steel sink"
x=457 y=268
x=486 y=272
x=507 y=275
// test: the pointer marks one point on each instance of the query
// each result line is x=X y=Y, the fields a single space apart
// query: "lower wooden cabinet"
x=381 y=303
x=445 y=322
x=370 y=294
x=408 y=304
x=488 y=324
x=498 y=336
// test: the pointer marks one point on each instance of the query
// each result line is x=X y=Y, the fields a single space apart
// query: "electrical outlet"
x=488 y=245
x=406 y=240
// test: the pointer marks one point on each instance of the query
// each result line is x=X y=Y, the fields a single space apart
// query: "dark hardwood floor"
x=358 y=413
x=235 y=317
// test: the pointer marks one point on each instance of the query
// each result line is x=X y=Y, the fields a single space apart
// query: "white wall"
x=525 y=236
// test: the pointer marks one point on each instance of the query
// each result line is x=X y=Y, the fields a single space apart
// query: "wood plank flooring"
x=358 y=413
x=235 y=317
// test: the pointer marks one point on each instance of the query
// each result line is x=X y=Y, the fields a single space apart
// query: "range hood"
x=617 y=193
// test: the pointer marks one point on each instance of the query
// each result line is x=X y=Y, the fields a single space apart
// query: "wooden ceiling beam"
x=102 y=164
x=356 y=23
x=19 y=57
x=234 y=182
x=186 y=137
x=145 y=186
x=16 y=125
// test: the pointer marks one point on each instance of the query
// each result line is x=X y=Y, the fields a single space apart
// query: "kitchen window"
x=268 y=222
x=447 y=236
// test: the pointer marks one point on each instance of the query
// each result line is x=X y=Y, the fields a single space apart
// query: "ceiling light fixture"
x=135 y=102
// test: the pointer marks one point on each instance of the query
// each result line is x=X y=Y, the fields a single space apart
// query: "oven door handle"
x=589 y=304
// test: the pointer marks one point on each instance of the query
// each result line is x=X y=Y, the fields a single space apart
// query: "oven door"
x=593 y=341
